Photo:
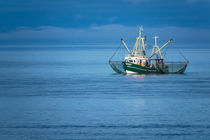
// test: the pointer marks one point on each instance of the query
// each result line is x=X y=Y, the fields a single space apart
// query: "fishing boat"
x=138 y=62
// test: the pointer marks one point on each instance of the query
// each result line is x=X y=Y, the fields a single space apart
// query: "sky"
x=103 y=21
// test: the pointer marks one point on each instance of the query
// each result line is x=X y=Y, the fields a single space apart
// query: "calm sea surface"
x=70 y=92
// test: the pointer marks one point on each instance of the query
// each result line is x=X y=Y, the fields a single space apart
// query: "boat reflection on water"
x=144 y=75
x=137 y=75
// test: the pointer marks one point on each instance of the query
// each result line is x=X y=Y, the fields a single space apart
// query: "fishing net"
x=117 y=66
x=173 y=67
x=173 y=62
x=176 y=67
x=116 y=60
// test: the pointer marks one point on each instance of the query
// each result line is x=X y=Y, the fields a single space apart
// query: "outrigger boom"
x=125 y=46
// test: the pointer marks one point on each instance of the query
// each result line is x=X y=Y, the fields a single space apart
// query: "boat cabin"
x=144 y=61
x=137 y=60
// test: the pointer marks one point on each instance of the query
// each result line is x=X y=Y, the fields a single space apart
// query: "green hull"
x=158 y=69
x=134 y=68
x=123 y=67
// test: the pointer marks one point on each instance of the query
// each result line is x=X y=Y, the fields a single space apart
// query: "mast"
x=156 y=48
x=156 y=38
x=140 y=31
x=139 y=47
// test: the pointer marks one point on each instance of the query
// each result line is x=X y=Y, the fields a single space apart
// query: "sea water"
x=70 y=92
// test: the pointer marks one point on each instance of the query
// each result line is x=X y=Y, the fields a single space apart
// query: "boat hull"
x=131 y=68
x=124 y=67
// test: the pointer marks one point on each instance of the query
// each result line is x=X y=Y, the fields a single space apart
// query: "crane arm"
x=125 y=46
x=161 y=47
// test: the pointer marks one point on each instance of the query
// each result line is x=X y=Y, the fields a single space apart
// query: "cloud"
x=47 y=33
x=106 y=34
x=196 y=1
x=191 y=1
x=166 y=1
x=136 y=1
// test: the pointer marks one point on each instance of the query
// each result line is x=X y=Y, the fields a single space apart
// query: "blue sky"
x=102 y=21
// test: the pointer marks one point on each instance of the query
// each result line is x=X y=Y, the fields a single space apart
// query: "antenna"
x=156 y=39
x=140 y=30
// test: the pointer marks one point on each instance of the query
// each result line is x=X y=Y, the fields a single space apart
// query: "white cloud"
x=191 y=1
x=137 y=1
x=91 y=34
x=107 y=34
x=196 y=1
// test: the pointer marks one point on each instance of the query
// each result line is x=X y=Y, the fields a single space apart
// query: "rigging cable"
x=181 y=53
x=115 y=52
x=164 y=53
